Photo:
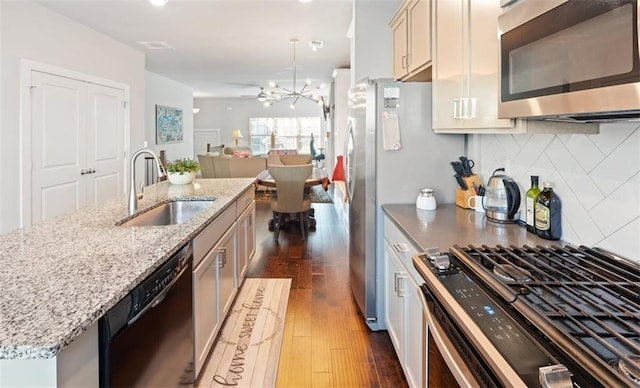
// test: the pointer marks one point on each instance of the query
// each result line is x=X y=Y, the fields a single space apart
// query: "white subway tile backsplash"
x=618 y=166
x=624 y=241
x=624 y=203
x=615 y=134
x=596 y=176
x=583 y=150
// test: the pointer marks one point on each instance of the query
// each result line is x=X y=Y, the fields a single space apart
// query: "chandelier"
x=279 y=93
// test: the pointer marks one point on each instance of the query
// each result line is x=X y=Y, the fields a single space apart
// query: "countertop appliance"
x=570 y=60
x=391 y=153
x=146 y=339
x=502 y=198
x=523 y=316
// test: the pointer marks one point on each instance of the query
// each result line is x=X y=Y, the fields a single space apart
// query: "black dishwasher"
x=146 y=339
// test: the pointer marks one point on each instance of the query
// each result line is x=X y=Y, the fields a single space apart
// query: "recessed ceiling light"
x=316 y=44
x=155 y=45
x=305 y=1
x=196 y=110
x=159 y=3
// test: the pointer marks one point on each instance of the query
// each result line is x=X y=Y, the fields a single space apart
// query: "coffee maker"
x=501 y=201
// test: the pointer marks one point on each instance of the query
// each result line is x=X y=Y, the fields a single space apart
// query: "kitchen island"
x=60 y=276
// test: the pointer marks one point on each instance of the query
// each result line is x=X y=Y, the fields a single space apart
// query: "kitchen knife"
x=461 y=182
x=467 y=165
x=457 y=167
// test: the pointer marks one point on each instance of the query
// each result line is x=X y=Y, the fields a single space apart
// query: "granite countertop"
x=60 y=276
x=450 y=224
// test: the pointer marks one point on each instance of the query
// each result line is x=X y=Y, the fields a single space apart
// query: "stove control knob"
x=441 y=262
x=555 y=376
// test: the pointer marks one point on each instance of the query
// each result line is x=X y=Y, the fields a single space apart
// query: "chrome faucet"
x=133 y=196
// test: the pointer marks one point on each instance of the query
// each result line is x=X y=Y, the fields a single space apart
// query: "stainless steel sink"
x=171 y=213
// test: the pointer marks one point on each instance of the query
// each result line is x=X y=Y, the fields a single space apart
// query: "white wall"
x=33 y=32
x=372 y=44
x=596 y=176
x=166 y=92
x=228 y=114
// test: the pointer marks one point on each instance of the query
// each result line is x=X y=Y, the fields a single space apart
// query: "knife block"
x=462 y=196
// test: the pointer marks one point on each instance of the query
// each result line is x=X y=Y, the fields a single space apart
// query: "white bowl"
x=177 y=179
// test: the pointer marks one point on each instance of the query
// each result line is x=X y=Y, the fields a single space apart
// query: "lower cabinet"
x=403 y=309
x=221 y=255
x=205 y=288
x=246 y=238
x=214 y=287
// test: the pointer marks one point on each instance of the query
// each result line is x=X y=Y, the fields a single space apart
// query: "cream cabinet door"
x=419 y=15
x=205 y=311
x=399 y=31
x=465 y=67
x=227 y=262
x=394 y=302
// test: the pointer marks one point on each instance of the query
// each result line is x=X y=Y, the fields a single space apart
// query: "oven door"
x=446 y=366
x=569 y=58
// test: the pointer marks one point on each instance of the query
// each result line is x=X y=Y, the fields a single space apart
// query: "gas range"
x=573 y=308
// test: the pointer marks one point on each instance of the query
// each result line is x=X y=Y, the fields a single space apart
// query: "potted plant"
x=182 y=171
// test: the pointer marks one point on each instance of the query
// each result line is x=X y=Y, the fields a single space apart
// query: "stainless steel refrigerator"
x=391 y=153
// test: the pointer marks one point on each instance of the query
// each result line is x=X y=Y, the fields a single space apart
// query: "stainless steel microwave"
x=573 y=60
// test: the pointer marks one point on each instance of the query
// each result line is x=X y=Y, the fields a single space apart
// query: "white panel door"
x=77 y=144
x=105 y=144
x=58 y=138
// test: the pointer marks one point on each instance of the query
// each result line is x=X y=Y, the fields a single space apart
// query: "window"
x=291 y=133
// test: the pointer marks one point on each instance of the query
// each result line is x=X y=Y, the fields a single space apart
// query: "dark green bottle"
x=548 y=214
x=531 y=196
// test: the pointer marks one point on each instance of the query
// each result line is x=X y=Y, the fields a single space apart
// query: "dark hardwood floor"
x=326 y=343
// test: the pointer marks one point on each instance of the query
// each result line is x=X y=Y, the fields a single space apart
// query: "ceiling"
x=226 y=48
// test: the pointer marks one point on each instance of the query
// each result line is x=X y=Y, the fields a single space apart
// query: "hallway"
x=326 y=343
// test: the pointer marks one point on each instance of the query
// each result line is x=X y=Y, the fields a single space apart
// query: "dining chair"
x=290 y=199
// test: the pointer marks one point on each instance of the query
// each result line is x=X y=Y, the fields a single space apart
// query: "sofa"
x=230 y=167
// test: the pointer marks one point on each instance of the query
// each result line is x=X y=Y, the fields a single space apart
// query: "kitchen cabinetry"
x=214 y=282
x=411 y=29
x=465 y=68
x=246 y=235
x=403 y=309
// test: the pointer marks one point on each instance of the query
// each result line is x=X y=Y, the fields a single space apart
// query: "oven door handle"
x=456 y=364
x=158 y=299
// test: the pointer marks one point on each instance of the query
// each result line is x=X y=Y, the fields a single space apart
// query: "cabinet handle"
x=223 y=262
x=456 y=103
x=404 y=61
x=463 y=108
x=401 y=247
x=395 y=282
x=401 y=287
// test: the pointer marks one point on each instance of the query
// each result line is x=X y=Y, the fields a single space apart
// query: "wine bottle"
x=531 y=196
x=548 y=214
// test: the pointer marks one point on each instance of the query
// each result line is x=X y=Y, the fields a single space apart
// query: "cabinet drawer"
x=204 y=241
x=402 y=247
x=245 y=200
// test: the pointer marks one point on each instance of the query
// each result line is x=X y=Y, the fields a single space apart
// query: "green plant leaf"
x=182 y=166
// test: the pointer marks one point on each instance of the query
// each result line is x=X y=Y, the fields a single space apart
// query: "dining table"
x=318 y=176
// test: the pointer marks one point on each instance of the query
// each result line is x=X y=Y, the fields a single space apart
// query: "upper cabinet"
x=465 y=67
x=411 y=28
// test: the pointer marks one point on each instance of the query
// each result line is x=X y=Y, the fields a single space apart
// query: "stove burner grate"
x=585 y=301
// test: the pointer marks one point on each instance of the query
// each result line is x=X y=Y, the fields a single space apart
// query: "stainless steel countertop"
x=450 y=224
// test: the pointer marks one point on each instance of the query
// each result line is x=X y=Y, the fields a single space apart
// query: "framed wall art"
x=168 y=125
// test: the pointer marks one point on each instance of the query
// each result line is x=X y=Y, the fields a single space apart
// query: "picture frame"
x=169 y=128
